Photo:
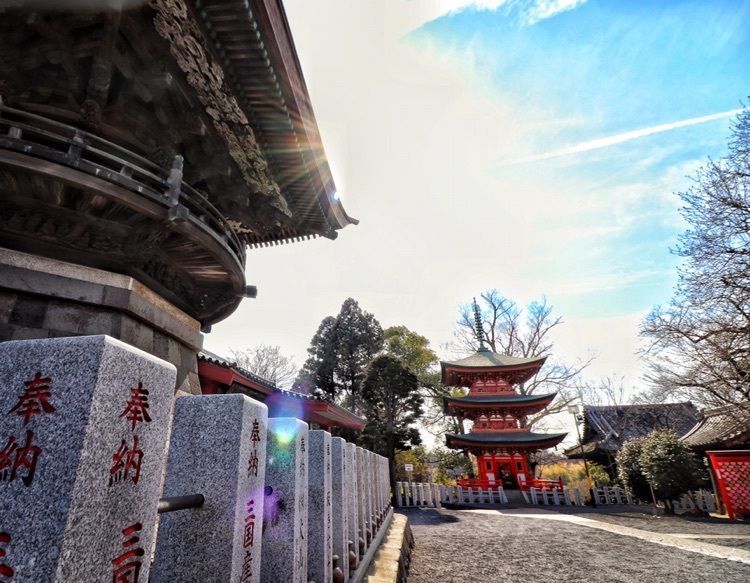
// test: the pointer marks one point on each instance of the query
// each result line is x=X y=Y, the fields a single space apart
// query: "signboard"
x=408 y=467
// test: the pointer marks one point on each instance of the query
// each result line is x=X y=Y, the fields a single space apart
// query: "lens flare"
x=285 y=430
x=286 y=405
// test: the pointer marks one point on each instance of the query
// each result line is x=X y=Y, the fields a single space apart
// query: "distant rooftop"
x=607 y=427
x=724 y=427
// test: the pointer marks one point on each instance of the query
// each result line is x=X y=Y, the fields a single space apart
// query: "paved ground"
x=716 y=531
x=536 y=546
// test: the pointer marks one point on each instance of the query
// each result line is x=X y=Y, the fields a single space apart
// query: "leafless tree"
x=509 y=329
x=699 y=344
x=268 y=362
x=608 y=391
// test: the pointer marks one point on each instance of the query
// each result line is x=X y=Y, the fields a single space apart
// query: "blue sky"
x=444 y=123
x=603 y=69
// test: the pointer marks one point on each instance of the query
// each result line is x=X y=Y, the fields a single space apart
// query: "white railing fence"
x=700 y=499
x=430 y=495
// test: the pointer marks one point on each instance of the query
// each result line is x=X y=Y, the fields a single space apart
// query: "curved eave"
x=504 y=440
x=520 y=372
x=298 y=96
x=258 y=53
x=469 y=406
x=514 y=400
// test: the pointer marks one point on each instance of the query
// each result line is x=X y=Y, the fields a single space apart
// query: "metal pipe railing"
x=39 y=136
x=173 y=503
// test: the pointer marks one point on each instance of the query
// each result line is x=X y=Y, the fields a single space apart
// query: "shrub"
x=669 y=466
x=450 y=465
x=417 y=457
x=629 y=469
x=573 y=475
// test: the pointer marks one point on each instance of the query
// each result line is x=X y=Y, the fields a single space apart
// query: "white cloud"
x=411 y=14
x=543 y=9
x=621 y=138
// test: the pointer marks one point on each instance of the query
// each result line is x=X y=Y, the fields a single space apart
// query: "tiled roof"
x=724 y=427
x=606 y=428
x=498 y=399
x=487 y=358
x=506 y=437
x=207 y=356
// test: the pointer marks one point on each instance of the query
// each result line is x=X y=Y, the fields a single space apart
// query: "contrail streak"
x=621 y=138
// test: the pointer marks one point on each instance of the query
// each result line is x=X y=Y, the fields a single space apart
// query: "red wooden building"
x=219 y=376
x=498 y=438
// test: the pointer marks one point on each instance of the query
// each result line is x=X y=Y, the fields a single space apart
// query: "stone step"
x=514 y=497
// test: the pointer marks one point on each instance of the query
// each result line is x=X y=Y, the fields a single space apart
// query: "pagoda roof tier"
x=509 y=403
x=511 y=440
x=461 y=373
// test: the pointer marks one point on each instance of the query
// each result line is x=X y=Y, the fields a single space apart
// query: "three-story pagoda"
x=499 y=437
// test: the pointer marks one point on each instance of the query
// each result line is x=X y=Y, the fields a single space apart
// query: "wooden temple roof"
x=159 y=140
x=520 y=439
x=219 y=375
x=460 y=372
x=721 y=428
x=606 y=428
x=257 y=51
x=514 y=403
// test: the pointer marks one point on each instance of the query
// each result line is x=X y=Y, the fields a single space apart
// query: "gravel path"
x=465 y=547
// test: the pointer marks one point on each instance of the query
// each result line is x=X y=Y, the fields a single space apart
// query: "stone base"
x=391 y=562
x=46 y=298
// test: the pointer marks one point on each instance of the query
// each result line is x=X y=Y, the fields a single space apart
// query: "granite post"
x=375 y=488
x=319 y=512
x=362 y=502
x=368 y=495
x=385 y=486
x=352 y=501
x=83 y=430
x=218 y=449
x=387 y=482
x=339 y=467
x=284 y=547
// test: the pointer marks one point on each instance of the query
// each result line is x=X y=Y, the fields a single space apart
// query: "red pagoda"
x=498 y=438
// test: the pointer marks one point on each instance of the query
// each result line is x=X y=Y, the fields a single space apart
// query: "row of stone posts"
x=89 y=494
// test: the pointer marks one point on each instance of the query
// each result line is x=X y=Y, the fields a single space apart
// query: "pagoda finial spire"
x=478 y=326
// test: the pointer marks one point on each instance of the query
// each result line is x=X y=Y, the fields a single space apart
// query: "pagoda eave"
x=460 y=376
x=514 y=441
x=471 y=407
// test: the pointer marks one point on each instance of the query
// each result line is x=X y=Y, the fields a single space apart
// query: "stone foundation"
x=47 y=298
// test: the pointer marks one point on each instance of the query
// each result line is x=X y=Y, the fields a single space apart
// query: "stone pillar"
x=218 y=449
x=369 y=494
x=352 y=498
x=387 y=479
x=319 y=513
x=362 y=498
x=284 y=547
x=47 y=298
x=374 y=462
x=83 y=430
x=340 y=510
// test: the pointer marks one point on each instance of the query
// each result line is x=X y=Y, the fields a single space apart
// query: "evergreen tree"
x=629 y=469
x=669 y=466
x=392 y=404
x=339 y=353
